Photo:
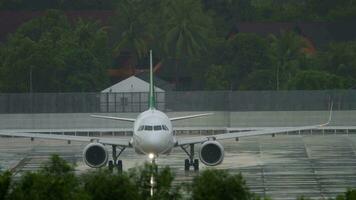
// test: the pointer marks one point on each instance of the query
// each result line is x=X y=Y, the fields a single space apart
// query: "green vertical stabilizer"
x=152 y=99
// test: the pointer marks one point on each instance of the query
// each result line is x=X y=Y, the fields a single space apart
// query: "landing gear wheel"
x=196 y=165
x=111 y=165
x=186 y=165
x=119 y=166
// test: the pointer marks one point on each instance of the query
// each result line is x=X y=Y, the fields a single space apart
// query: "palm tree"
x=286 y=50
x=131 y=30
x=186 y=30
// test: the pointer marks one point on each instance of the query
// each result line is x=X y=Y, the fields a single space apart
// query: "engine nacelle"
x=95 y=155
x=211 y=153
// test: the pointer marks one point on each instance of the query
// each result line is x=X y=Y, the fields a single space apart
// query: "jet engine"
x=211 y=153
x=95 y=155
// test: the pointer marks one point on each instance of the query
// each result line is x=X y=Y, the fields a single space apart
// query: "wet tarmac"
x=281 y=167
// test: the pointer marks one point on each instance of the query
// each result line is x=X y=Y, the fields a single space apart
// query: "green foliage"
x=5 y=180
x=187 y=29
x=102 y=184
x=56 y=4
x=316 y=80
x=130 y=26
x=149 y=178
x=56 y=181
x=287 y=53
x=57 y=166
x=331 y=10
x=216 y=184
x=199 y=38
x=259 y=80
x=177 y=31
x=340 y=58
x=55 y=56
x=245 y=54
x=303 y=198
x=217 y=78
x=350 y=194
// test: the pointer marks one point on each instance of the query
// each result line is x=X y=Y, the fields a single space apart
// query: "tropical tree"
x=56 y=181
x=5 y=181
x=286 y=52
x=245 y=54
x=187 y=30
x=331 y=10
x=103 y=184
x=216 y=78
x=47 y=54
x=316 y=80
x=260 y=79
x=340 y=59
x=129 y=30
x=350 y=194
x=227 y=13
x=217 y=184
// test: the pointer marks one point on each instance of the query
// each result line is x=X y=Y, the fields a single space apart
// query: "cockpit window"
x=141 y=128
x=157 y=128
x=148 y=128
x=165 y=127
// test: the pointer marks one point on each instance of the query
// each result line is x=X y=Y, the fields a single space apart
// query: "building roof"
x=131 y=84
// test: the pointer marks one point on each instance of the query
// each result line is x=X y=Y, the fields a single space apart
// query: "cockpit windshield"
x=150 y=128
x=157 y=128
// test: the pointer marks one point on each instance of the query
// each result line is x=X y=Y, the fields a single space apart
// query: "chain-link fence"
x=178 y=101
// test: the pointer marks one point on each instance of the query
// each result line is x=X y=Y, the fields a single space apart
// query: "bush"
x=217 y=184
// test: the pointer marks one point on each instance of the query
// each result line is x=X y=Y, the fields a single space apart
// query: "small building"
x=131 y=95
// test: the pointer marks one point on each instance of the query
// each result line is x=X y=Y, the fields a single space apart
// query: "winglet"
x=330 y=115
x=331 y=111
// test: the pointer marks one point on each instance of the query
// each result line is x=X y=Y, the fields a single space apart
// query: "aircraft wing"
x=228 y=135
x=124 y=142
x=189 y=116
x=223 y=136
x=114 y=118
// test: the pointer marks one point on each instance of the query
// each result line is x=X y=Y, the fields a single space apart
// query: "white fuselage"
x=153 y=133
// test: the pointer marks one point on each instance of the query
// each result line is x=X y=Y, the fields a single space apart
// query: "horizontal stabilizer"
x=189 y=116
x=114 y=118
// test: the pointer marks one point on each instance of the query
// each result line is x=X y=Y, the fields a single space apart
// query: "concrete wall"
x=219 y=119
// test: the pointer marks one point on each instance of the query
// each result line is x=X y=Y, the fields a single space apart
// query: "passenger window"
x=157 y=128
x=141 y=128
x=148 y=128
x=165 y=127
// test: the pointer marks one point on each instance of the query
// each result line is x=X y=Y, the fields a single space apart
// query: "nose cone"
x=156 y=143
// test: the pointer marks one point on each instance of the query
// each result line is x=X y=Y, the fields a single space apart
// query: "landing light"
x=151 y=155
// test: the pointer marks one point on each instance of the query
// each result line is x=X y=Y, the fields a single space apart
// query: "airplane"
x=153 y=136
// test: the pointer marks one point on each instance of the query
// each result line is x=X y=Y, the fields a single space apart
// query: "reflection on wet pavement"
x=283 y=167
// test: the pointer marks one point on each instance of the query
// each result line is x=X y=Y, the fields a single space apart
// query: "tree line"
x=56 y=180
x=189 y=38
x=237 y=10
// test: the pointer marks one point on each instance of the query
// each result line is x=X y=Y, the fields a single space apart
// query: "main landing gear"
x=115 y=163
x=191 y=161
